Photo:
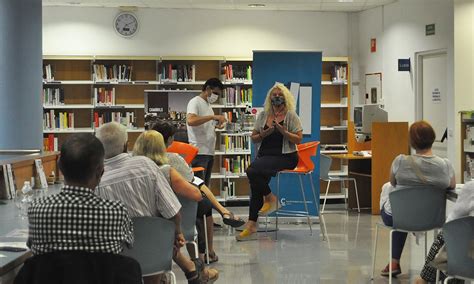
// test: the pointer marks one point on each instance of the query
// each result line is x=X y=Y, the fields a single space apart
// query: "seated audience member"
x=145 y=191
x=76 y=219
x=420 y=169
x=463 y=207
x=177 y=162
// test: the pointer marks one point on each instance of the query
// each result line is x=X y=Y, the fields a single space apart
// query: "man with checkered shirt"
x=76 y=219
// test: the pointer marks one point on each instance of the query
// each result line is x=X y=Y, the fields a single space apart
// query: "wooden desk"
x=360 y=168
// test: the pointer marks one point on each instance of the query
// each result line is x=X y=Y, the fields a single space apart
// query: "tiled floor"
x=343 y=256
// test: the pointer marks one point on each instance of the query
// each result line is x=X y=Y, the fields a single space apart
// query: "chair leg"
x=357 y=195
x=205 y=236
x=437 y=276
x=316 y=202
x=173 y=277
x=326 y=196
x=278 y=200
x=375 y=250
x=447 y=279
x=426 y=243
x=390 y=258
x=305 y=205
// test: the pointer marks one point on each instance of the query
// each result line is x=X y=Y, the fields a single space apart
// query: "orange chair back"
x=305 y=152
x=187 y=151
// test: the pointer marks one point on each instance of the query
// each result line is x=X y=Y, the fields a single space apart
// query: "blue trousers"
x=398 y=238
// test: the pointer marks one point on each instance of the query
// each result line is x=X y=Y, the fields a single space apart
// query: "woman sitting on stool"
x=277 y=131
x=421 y=169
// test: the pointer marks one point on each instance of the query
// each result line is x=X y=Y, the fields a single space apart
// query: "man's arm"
x=195 y=120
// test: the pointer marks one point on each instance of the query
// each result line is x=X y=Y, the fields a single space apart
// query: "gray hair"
x=113 y=136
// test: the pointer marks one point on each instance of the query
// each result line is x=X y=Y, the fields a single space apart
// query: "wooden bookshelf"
x=335 y=109
x=74 y=76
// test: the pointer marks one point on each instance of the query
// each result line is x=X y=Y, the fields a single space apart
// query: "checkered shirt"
x=77 y=219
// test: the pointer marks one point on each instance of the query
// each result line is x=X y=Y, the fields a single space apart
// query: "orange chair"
x=187 y=151
x=305 y=167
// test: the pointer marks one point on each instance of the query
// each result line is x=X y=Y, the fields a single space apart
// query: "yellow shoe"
x=246 y=235
x=269 y=207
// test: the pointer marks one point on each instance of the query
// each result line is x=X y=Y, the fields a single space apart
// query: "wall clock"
x=126 y=24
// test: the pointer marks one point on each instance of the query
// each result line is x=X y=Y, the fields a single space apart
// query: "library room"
x=236 y=141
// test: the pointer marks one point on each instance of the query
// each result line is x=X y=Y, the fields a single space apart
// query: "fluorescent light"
x=256 y=5
x=345 y=1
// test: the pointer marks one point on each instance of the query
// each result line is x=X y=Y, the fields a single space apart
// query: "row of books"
x=104 y=97
x=177 y=72
x=229 y=188
x=232 y=116
x=7 y=182
x=232 y=72
x=53 y=96
x=50 y=143
x=128 y=119
x=236 y=165
x=236 y=96
x=339 y=73
x=48 y=73
x=236 y=143
x=116 y=72
x=61 y=120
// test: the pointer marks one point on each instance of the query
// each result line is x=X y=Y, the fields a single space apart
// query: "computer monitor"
x=364 y=115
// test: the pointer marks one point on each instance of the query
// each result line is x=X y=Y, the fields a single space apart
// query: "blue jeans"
x=398 y=238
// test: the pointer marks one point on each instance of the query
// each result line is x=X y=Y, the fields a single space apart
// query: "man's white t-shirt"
x=204 y=135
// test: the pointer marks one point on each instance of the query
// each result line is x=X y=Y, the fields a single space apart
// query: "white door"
x=434 y=106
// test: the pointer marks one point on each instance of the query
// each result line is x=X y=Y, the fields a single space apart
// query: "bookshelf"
x=335 y=109
x=467 y=145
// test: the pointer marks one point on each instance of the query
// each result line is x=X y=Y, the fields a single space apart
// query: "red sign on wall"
x=373 y=45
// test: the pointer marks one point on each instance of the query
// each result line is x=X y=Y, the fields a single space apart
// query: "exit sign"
x=430 y=29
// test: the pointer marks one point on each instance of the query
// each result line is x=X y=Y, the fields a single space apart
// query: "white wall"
x=400 y=32
x=463 y=62
x=89 y=31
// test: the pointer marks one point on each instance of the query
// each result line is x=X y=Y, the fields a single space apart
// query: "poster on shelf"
x=305 y=108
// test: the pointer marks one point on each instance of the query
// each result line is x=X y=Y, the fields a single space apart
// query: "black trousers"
x=259 y=174
x=205 y=161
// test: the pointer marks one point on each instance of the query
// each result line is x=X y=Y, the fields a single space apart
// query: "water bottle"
x=23 y=199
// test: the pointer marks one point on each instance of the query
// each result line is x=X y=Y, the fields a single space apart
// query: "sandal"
x=212 y=276
x=231 y=220
x=195 y=276
x=212 y=258
x=269 y=207
x=395 y=270
x=246 y=235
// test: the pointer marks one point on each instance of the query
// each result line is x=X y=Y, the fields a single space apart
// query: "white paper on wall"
x=294 y=89
x=305 y=95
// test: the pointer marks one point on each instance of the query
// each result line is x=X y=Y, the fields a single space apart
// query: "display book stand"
x=467 y=145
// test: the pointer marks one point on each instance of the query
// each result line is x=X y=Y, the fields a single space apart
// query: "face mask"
x=212 y=98
x=276 y=101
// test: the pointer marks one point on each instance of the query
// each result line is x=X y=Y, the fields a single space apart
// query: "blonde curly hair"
x=289 y=99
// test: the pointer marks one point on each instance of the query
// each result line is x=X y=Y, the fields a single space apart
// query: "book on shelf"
x=235 y=166
x=128 y=119
x=63 y=120
x=168 y=72
x=229 y=189
x=50 y=143
x=339 y=74
x=4 y=184
x=48 y=73
x=104 y=97
x=236 y=72
x=114 y=73
x=236 y=143
x=11 y=180
x=236 y=95
x=53 y=96
x=40 y=173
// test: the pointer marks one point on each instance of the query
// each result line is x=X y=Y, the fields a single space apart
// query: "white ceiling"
x=288 y=5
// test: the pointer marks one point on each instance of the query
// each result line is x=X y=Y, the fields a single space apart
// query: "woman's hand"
x=280 y=128
x=265 y=132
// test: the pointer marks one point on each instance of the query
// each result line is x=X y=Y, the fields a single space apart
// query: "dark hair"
x=422 y=135
x=81 y=154
x=165 y=128
x=213 y=83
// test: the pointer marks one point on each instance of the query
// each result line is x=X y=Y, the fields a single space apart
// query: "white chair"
x=325 y=166
x=414 y=210
x=153 y=245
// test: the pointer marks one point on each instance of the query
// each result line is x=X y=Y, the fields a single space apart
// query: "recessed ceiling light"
x=345 y=1
x=256 y=5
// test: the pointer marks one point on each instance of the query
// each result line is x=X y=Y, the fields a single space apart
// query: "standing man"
x=201 y=122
